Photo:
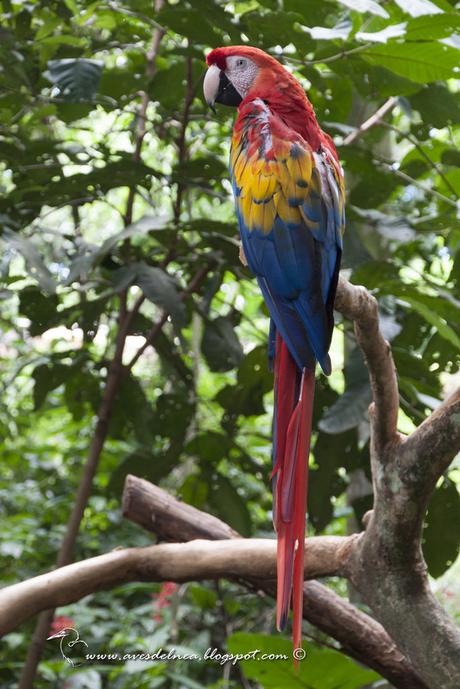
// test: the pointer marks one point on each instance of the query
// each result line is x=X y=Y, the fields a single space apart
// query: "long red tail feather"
x=294 y=391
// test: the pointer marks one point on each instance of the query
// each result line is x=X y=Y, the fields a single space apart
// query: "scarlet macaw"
x=289 y=196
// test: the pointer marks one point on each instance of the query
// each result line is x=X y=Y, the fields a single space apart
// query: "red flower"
x=162 y=599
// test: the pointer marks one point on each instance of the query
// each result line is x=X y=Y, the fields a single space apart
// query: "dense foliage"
x=114 y=184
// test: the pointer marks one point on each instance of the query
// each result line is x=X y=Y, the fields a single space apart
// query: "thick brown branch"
x=191 y=561
x=360 y=636
x=387 y=566
x=357 y=304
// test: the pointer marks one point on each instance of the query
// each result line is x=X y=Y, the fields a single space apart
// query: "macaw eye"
x=240 y=62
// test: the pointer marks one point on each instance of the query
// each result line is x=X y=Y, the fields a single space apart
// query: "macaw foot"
x=242 y=255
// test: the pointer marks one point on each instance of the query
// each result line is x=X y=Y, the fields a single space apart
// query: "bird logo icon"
x=69 y=639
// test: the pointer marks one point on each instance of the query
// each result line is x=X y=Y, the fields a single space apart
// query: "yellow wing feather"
x=271 y=187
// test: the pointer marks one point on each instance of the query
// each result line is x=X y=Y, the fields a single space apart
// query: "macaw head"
x=236 y=72
x=239 y=73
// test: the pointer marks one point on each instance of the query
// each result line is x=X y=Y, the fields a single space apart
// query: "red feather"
x=294 y=393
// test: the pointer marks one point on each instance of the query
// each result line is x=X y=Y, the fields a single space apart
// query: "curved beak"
x=57 y=635
x=217 y=88
x=211 y=85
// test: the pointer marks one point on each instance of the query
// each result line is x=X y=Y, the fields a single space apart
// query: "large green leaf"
x=76 y=78
x=430 y=27
x=254 y=380
x=229 y=504
x=220 y=344
x=322 y=668
x=34 y=261
x=40 y=309
x=433 y=317
x=161 y=289
x=351 y=408
x=437 y=105
x=420 y=62
x=48 y=377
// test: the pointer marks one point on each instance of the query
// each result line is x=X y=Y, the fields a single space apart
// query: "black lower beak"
x=227 y=93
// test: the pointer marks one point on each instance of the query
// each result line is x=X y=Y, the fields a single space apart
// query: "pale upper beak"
x=211 y=85
x=218 y=88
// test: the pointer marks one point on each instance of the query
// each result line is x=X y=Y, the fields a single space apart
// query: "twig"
x=371 y=121
x=423 y=153
x=337 y=56
x=416 y=183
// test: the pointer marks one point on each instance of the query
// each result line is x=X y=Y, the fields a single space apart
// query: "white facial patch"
x=241 y=71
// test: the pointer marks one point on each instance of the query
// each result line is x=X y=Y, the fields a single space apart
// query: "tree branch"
x=191 y=561
x=357 y=304
x=387 y=566
x=360 y=636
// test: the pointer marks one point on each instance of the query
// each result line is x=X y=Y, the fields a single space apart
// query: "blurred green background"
x=114 y=185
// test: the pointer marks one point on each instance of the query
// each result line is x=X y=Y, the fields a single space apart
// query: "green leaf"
x=420 y=62
x=161 y=289
x=325 y=482
x=351 y=407
x=209 y=446
x=435 y=319
x=34 y=262
x=47 y=378
x=173 y=414
x=40 y=309
x=220 y=344
x=427 y=28
x=437 y=105
x=321 y=668
x=254 y=380
x=276 y=28
x=190 y=22
x=200 y=171
x=76 y=78
x=203 y=597
x=144 y=463
x=441 y=540
x=229 y=504
x=132 y=408
x=140 y=228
